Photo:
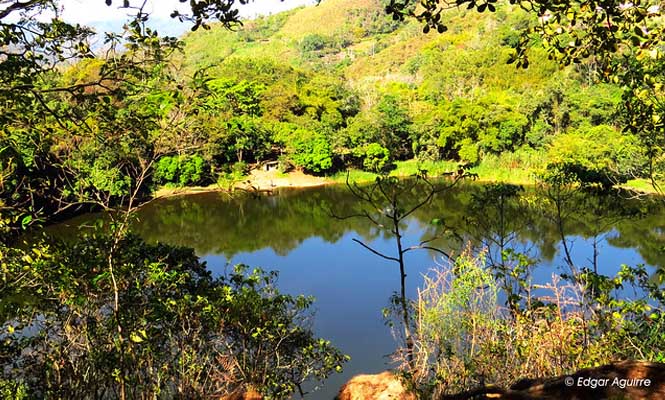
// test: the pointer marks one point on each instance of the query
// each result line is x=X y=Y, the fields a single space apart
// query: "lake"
x=292 y=231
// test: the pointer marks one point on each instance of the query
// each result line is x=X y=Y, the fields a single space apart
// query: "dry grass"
x=464 y=339
x=327 y=18
x=389 y=61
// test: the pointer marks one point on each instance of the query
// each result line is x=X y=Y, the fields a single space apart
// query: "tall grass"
x=644 y=186
x=354 y=175
x=519 y=167
x=433 y=168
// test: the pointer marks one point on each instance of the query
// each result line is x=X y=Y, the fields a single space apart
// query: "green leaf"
x=26 y=221
x=134 y=337
x=99 y=277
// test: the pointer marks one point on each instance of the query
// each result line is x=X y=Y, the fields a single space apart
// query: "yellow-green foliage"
x=597 y=154
x=259 y=38
x=199 y=44
x=463 y=101
x=85 y=71
x=433 y=168
x=379 y=61
x=327 y=18
x=468 y=58
x=354 y=175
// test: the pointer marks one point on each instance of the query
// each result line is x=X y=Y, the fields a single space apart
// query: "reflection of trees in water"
x=474 y=213
x=621 y=222
x=218 y=223
x=646 y=234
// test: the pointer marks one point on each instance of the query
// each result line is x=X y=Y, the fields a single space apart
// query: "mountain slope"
x=348 y=72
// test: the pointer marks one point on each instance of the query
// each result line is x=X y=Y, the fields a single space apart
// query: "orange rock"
x=243 y=395
x=383 y=386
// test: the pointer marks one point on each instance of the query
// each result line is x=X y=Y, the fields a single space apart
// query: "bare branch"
x=427 y=248
x=375 y=251
x=18 y=6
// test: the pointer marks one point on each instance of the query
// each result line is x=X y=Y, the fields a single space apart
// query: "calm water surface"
x=292 y=232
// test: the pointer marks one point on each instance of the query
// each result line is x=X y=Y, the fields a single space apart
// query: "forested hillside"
x=322 y=89
x=343 y=85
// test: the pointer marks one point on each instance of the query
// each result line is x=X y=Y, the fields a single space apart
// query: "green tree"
x=328 y=100
x=247 y=138
x=350 y=142
x=309 y=149
x=181 y=170
x=235 y=331
x=314 y=42
x=597 y=155
x=395 y=127
x=234 y=97
x=376 y=157
x=459 y=129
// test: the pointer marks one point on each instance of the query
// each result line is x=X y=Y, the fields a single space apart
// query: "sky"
x=97 y=14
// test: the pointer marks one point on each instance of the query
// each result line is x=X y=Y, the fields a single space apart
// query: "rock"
x=243 y=395
x=383 y=386
x=625 y=380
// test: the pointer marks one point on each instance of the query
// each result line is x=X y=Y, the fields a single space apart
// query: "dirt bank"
x=256 y=181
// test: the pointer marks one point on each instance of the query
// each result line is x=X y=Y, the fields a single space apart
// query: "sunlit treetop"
x=572 y=30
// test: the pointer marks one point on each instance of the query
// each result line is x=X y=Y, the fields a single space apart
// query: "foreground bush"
x=464 y=339
x=113 y=317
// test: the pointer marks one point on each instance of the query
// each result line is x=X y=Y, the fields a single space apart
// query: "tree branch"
x=376 y=252
x=426 y=248
x=18 y=6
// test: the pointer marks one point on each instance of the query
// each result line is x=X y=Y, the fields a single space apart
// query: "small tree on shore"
x=385 y=203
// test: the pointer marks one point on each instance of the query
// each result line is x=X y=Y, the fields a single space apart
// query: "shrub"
x=464 y=339
x=105 y=315
x=469 y=151
x=597 y=155
x=283 y=164
x=239 y=168
x=166 y=170
x=458 y=321
x=314 y=42
x=310 y=150
x=181 y=170
x=376 y=157
x=233 y=175
x=192 y=170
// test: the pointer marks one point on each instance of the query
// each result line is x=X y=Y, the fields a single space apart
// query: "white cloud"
x=97 y=13
x=88 y=11
x=265 y=7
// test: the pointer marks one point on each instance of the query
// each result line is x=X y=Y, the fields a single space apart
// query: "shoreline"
x=266 y=182
x=256 y=181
